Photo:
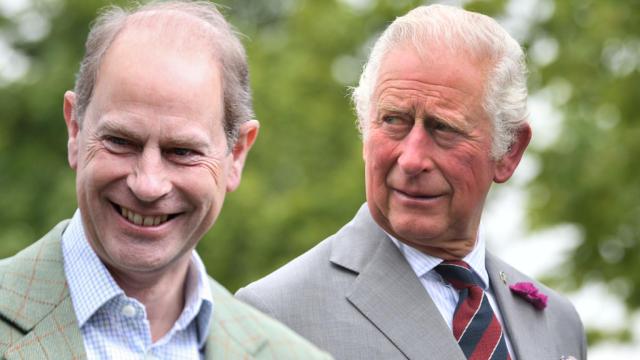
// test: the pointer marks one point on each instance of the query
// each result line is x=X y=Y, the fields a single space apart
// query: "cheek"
x=471 y=162
x=103 y=170
x=375 y=173
x=470 y=180
x=479 y=172
x=214 y=169
x=203 y=186
x=379 y=159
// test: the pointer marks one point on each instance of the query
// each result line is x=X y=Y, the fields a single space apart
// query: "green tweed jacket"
x=37 y=320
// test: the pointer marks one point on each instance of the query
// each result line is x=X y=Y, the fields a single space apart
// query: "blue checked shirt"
x=115 y=326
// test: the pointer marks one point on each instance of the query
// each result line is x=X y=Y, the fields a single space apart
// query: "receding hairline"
x=171 y=25
x=186 y=31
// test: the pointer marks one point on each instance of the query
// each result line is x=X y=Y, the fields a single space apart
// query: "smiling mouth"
x=142 y=220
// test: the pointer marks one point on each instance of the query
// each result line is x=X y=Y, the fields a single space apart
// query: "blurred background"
x=570 y=216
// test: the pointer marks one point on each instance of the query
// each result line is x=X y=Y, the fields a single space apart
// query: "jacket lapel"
x=35 y=299
x=526 y=327
x=388 y=293
x=57 y=336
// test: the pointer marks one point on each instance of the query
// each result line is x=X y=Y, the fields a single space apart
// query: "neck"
x=448 y=249
x=162 y=299
x=451 y=252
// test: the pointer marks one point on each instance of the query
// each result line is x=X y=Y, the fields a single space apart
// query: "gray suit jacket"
x=355 y=295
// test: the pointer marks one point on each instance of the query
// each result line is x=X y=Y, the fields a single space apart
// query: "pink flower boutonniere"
x=529 y=292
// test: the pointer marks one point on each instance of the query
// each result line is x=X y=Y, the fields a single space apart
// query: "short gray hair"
x=505 y=99
x=225 y=40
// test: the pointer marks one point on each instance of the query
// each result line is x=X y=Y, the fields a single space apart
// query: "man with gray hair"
x=159 y=125
x=441 y=106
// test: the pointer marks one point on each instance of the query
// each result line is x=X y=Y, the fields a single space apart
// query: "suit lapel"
x=35 y=299
x=526 y=327
x=57 y=336
x=388 y=293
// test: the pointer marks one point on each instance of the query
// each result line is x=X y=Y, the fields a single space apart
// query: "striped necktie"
x=475 y=326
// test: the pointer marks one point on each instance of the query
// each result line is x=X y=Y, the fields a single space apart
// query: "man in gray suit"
x=442 y=109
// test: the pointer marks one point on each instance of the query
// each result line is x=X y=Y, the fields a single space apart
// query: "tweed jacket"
x=37 y=319
x=356 y=296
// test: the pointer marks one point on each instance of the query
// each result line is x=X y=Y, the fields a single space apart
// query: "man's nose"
x=149 y=179
x=416 y=152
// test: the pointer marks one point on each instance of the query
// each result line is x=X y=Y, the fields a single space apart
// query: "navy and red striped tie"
x=475 y=326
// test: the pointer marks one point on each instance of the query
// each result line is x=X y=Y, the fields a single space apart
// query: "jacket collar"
x=388 y=293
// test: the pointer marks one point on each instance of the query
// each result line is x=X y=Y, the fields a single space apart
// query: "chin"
x=141 y=260
x=417 y=228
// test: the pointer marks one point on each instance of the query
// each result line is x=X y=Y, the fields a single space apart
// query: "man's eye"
x=117 y=145
x=182 y=152
x=442 y=127
x=391 y=120
x=114 y=140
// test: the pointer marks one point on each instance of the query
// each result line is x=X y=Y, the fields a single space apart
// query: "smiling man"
x=159 y=124
x=442 y=110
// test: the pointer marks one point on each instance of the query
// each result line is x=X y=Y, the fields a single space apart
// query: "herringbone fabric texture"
x=475 y=325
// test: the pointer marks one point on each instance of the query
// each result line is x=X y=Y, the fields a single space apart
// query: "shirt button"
x=129 y=310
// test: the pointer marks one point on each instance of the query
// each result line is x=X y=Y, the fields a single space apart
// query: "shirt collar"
x=91 y=285
x=422 y=263
x=199 y=301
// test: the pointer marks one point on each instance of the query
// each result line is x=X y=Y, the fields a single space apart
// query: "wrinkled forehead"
x=434 y=52
x=437 y=63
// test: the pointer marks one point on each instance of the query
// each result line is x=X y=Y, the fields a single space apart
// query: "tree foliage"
x=304 y=177
x=587 y=176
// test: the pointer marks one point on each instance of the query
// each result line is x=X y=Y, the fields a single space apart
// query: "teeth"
x=139 y=219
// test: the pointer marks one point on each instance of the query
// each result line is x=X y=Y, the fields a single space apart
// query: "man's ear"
x=506 y=166
x=246 y=138
x=72 y=128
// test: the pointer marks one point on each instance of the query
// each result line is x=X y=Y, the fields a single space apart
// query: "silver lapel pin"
x=503 y=277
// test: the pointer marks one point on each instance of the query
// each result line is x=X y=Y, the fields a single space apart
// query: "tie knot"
x=458 y=273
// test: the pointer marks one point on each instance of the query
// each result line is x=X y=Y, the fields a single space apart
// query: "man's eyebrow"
x=111 y=126
x=392 y=107
x=188 y=140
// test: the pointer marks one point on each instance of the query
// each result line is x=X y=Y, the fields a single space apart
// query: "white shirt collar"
x=422 y=263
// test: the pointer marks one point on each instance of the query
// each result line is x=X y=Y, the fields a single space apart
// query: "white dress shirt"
x=441 y=292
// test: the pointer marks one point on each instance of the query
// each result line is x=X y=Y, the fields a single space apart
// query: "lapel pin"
x=503 y=277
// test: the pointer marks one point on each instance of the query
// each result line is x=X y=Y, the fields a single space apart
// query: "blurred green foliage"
x=587 y=175
x=304 y=177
